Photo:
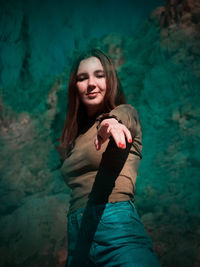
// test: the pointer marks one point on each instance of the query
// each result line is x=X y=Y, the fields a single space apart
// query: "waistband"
x=100 y=206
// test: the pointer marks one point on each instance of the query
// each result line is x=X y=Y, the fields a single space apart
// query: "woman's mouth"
x=92 y=95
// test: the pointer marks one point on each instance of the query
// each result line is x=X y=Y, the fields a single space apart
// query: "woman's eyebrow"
x=97 y=71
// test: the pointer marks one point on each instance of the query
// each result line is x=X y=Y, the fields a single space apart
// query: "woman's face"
x=91 y=84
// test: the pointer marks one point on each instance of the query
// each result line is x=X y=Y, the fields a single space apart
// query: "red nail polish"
x=130 y=140
x=123 y=146
x=119 y=144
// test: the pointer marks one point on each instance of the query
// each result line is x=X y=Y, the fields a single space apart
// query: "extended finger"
x=117 y=135
x=122 y=139
x=121 y=136
x=96 y=143
x=127 y=134
x=99 y=141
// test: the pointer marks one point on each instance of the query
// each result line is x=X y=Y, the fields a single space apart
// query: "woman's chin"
x=93 y=102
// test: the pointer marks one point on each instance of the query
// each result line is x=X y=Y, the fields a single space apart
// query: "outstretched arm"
x=111 y=127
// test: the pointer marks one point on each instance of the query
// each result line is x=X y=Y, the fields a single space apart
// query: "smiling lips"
x=92 y=94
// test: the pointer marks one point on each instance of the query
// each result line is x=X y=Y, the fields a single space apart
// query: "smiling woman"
x=102 y=152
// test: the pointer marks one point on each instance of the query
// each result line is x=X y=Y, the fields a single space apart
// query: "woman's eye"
x=84 y=78
x=81 y=79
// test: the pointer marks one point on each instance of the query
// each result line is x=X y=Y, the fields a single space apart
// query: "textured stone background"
x=157 y=55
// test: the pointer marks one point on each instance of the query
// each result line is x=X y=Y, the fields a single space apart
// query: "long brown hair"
x=76 y=110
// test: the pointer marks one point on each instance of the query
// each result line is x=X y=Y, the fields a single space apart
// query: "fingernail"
x=130 y=140
x=119 y=144
x=123 y=146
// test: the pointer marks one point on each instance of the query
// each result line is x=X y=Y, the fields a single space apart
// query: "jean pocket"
x=116 y=217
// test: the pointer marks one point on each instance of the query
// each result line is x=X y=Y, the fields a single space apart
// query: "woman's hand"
x=111 y=127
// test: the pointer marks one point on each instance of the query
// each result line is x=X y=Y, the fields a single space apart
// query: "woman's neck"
x=93 y=112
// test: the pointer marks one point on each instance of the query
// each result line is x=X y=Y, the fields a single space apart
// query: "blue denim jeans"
x=109 y=235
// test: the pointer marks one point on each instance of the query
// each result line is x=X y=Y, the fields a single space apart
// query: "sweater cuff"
x=106 y=116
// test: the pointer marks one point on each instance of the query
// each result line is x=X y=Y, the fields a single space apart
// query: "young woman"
x=101 y=149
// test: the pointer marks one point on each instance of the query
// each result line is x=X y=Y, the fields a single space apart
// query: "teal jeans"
x=109 y=235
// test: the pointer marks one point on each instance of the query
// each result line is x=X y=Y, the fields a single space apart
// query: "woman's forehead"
x=89 y=63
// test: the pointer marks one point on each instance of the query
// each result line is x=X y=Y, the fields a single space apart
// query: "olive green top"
x=108 y=174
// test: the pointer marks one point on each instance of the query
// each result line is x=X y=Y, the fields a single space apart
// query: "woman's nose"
x=91 y=83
